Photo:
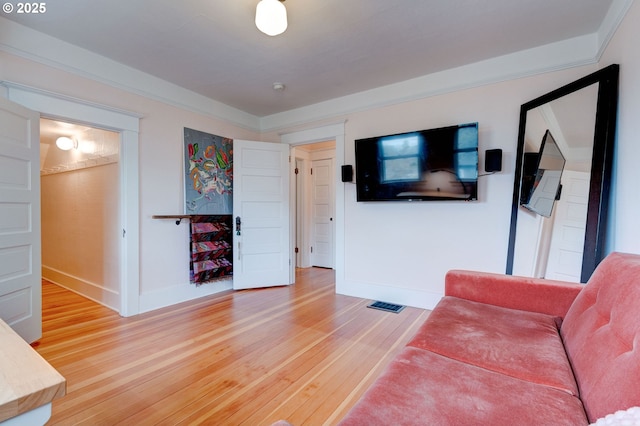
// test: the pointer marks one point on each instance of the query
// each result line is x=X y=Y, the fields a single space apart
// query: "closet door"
x=261 y=252
x=323 y=211
x=20 y=247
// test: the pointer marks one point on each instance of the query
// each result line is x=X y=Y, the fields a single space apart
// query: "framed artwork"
x=208 y=168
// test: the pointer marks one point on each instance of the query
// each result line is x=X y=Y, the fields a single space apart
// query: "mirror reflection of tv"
x=427 y=165
x=541 y=184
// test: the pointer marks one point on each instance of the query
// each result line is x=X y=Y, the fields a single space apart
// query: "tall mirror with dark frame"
x=562 y=179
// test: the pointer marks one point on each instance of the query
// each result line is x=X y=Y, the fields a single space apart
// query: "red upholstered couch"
x=505 y=350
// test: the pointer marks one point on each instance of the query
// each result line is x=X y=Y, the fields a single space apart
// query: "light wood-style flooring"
x=300 y=353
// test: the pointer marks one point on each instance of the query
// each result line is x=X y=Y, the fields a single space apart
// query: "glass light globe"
x=65 y=143
x=271 y=17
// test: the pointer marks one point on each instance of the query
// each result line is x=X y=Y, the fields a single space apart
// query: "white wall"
x=80 y=232
x=400 y=252
x=625 y=206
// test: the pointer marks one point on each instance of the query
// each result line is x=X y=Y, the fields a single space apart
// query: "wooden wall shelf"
x=178 y=217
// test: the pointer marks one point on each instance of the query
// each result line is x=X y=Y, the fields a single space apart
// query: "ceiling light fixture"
x=271 y=17
x=65 y=143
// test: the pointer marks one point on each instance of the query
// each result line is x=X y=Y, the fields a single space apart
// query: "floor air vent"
x=384 y=306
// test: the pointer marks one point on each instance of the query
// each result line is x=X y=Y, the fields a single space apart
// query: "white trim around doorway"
x=319 y=134
x=61 y=107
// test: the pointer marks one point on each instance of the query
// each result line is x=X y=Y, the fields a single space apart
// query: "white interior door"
x=567 y=241
x=20 y=248
x=261 y=254
x=322 y=214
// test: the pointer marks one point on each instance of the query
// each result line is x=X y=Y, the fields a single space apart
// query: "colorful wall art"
x=208 y=170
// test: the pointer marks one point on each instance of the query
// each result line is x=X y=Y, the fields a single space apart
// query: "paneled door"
x=261 y=252
x=20 y=247
x=322 y=214
x=567 y=241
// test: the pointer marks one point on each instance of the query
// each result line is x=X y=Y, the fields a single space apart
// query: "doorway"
x=314 y=204
x=126 y=123
x=80 y=203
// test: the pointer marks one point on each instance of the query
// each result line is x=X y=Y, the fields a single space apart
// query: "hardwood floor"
x=300 y=353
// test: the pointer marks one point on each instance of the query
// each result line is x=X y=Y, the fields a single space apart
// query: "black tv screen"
x=434 y=164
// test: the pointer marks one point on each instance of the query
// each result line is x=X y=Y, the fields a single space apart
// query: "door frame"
x=301 y=239
x=61 y=107
x=334 y=132
x=305 y=196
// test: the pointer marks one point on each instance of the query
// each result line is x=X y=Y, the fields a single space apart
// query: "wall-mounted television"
x=541 y=177
x=434 y=164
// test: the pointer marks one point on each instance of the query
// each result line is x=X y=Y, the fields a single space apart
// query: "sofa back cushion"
x=601 y=333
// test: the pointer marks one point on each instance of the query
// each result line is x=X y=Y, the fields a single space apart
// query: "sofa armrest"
x=509 y=291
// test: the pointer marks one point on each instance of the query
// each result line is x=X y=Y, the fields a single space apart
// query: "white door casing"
x=302 y=206
x=335 y=132
x=61 y=107
x=322 y=242
x=20 y=247
x=261 y=252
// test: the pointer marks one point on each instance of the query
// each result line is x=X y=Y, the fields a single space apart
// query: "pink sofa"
x=505 y=350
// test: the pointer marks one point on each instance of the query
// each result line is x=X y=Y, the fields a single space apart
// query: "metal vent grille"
x=384 y=306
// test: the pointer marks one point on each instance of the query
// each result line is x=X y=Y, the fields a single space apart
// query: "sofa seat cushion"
x=420 y=387
x=521 y=344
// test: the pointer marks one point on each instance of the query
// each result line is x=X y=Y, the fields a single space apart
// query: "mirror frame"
x=601 y=164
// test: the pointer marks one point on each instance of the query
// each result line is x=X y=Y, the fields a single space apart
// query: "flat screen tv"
x=541 y=179
x=427 y=165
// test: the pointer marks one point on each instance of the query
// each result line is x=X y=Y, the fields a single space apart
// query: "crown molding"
x=610 y=24
x=557 y=56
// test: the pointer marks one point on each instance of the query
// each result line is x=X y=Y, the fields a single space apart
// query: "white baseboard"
x=181 y=293
x=95 y=292
x=400 y=296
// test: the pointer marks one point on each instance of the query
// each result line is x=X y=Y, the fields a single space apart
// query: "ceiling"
x=94 y=147
x=331 y=49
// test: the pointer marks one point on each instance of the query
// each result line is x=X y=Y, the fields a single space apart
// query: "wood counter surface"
x=27 y=381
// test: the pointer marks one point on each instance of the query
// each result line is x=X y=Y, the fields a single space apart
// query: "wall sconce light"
x=271 y=17
x=65 y=143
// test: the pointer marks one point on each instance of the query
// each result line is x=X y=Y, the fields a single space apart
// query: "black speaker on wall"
x=493 y=160
x=347 y=173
